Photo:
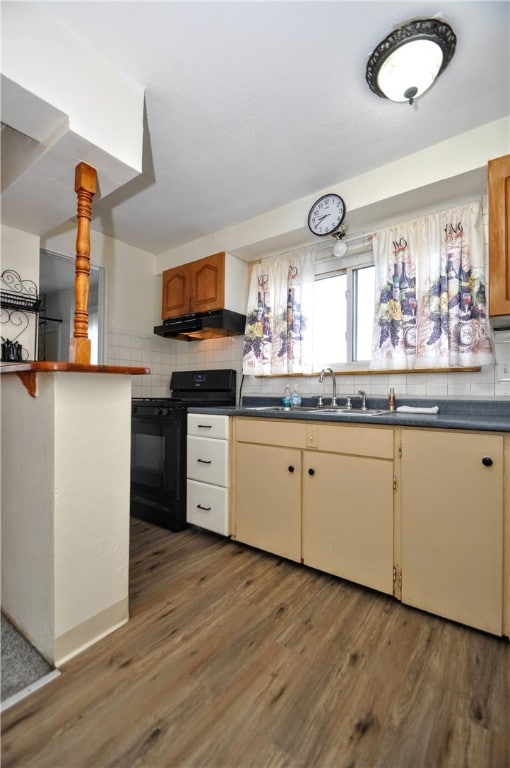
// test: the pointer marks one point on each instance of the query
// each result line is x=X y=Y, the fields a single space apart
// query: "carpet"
x=22 y=665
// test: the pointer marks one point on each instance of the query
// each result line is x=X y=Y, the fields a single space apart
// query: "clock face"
x=326 y=214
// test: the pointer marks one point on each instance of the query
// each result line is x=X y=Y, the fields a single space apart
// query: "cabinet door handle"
x=291 y=468
x=204 y=426
x=311 y=471
x=206 y=509
x=487 y=461
x=203 y=461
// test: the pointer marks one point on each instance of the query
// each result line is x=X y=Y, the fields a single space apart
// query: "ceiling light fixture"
x=406 y=63
x=340 y=247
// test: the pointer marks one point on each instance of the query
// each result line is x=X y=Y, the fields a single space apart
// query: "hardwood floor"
x=234 y=658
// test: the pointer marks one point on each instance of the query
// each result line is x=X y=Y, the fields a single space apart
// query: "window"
x=343 y=310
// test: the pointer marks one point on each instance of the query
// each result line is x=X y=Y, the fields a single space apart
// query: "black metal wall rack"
x=18 y=299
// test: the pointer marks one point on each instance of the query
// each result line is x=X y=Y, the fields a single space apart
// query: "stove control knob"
x=163 y=411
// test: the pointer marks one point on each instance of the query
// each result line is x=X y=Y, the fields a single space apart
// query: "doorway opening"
x=56 y=320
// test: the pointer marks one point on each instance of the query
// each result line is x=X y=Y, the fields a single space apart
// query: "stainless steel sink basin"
x=352 y=411
x=366 y=412
x=281 y=408
x=314 y=409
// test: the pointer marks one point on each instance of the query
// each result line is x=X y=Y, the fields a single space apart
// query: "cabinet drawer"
x=203 y=425
x=357 y=440
x=207 y=506
x=208 y=460
x=268 y=432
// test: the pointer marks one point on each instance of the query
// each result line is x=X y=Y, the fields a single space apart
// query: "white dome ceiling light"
x=340 y=247
x=406 y=63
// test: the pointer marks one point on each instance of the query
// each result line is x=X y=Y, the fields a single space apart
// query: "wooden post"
x=85 y=188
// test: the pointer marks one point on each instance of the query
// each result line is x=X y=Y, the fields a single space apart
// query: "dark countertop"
x=478 y=415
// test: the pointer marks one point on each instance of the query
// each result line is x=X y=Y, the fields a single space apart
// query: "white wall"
x=73 y=105
x=43 y=57
x=431 y=179
x=91 y=504
x=134 y=282
x=28 y=593
x=20 y=251
x=65 y=508
x=434 y=178
x=133 y=292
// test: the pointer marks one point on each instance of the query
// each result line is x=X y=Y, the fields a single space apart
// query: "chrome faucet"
x=363 y=396
x=321 y=381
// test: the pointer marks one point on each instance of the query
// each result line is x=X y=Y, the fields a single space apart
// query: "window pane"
x=364 y=313
x=330 y=321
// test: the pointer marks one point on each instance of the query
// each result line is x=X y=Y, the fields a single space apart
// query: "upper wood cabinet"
x=215 y=282
x=499 y=238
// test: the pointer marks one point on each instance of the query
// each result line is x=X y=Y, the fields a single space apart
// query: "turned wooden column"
x=85 y=188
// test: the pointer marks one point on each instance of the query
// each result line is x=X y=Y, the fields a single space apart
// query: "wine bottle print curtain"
x=431 y=305
x=279 y=315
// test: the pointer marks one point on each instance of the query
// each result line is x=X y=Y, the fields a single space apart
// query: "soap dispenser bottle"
x=392 y=404
x=286 y=397
x=295 y=398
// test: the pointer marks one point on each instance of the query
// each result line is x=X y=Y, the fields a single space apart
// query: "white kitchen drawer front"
x=202 y=425
x=208 y=460
x=207 y=507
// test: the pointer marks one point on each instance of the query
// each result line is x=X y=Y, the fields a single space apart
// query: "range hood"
x=203 y=325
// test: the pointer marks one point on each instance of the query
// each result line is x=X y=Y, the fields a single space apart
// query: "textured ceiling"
x=252 y=105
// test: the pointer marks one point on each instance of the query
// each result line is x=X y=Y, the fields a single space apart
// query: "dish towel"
x=411 y=409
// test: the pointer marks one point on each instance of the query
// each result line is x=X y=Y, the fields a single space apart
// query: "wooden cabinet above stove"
x=219 y=281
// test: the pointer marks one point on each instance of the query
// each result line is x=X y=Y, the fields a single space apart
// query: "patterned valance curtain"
x=278 y=337
x=431 y=308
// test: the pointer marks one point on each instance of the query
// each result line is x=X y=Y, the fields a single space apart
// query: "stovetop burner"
x=203 y=389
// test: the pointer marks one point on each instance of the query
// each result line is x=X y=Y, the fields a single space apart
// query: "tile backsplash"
x=163 y=356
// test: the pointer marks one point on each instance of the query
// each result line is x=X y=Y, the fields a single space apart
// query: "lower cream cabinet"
x=207 y=487
x=348 y=517
x=268 y=498
x=452 y=525
x=332 y=508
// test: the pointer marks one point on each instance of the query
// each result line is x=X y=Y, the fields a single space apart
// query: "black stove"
x=158 y=443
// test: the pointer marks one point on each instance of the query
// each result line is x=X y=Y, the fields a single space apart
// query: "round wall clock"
x=326 y=214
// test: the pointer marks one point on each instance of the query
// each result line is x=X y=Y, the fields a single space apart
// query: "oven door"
x=158 y=469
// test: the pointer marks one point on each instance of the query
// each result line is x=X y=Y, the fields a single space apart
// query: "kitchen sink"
x=366 y=412
x=353 y=411
x=281 y=408
x=315 y=409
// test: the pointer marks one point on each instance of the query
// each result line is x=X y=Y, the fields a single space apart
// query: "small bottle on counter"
x=392 y=403
x=295 y=400
x=286 y=397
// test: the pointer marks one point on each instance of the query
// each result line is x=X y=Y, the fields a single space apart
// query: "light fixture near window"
x=340 y=247
x=406 y=63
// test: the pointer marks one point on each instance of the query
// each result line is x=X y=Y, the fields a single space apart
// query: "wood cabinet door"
x=499 y=236
x=348 y=517
x=267 y=498
x=208 y=283
x=176 y=292
x=452 y=525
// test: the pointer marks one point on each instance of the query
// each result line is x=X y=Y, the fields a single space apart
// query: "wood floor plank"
x=234 y=658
